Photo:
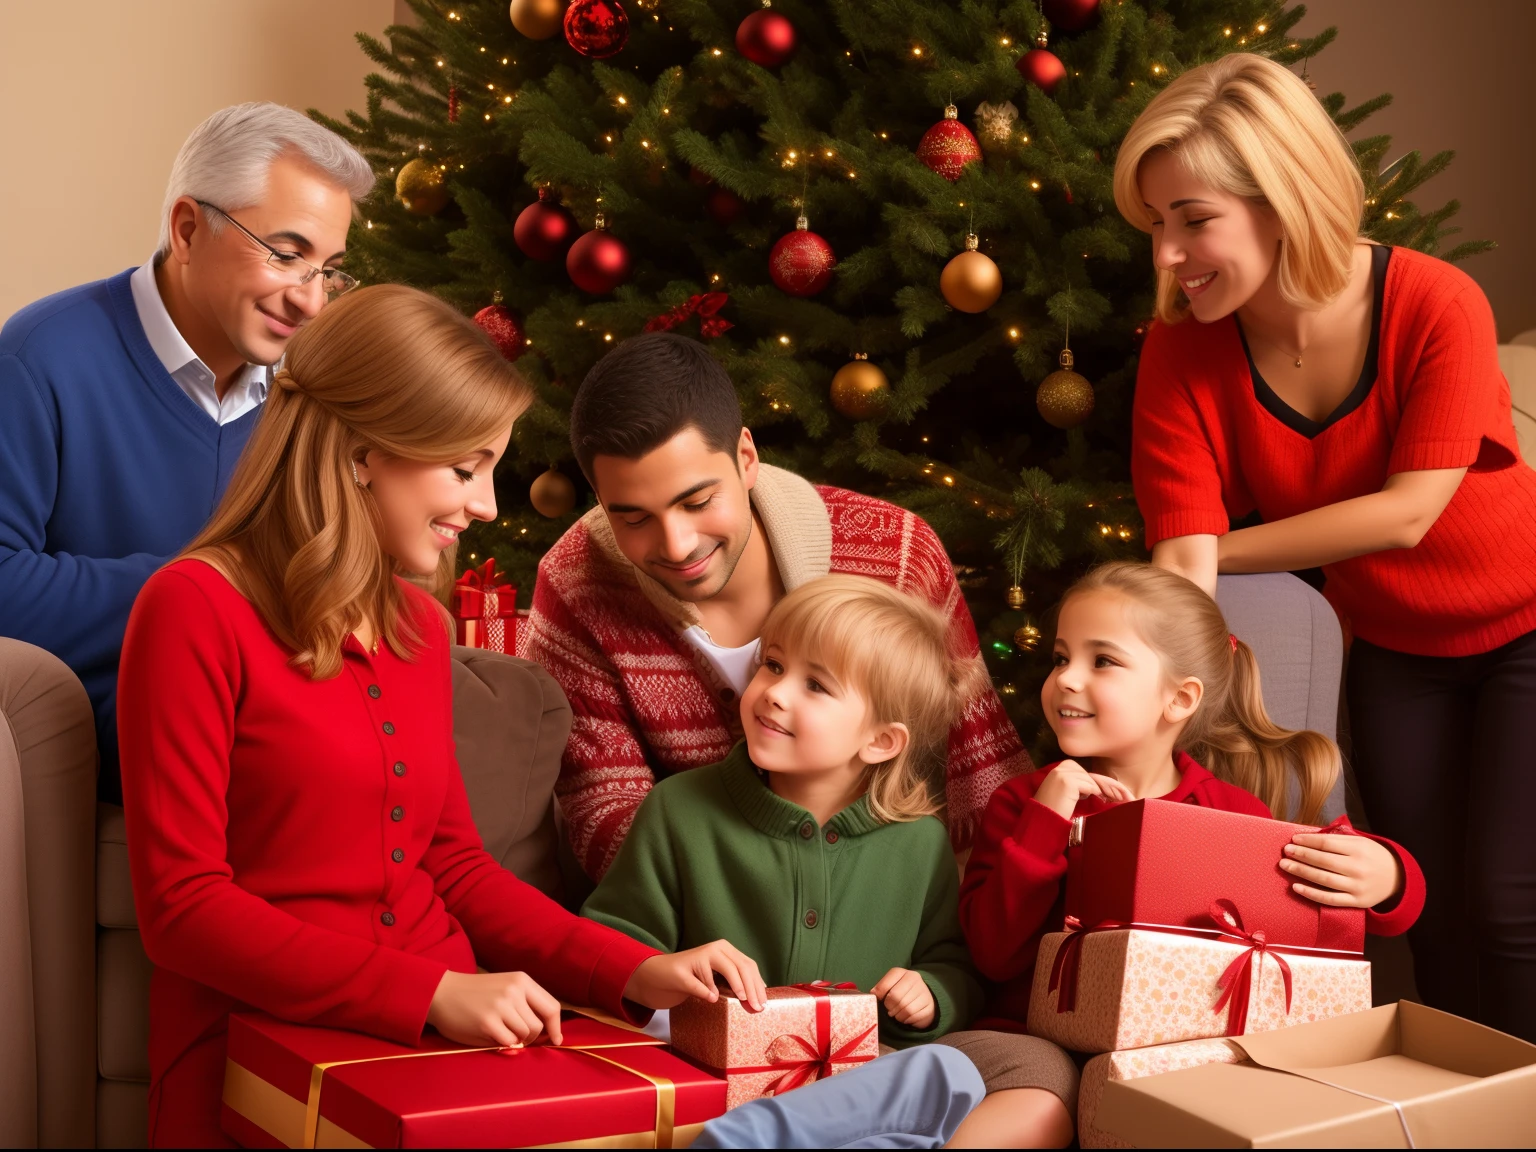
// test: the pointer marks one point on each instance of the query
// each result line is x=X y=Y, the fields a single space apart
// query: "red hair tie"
x=1232 y=638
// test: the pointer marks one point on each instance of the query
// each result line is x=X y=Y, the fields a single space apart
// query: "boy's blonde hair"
x=1252 y=128
x=893 y=650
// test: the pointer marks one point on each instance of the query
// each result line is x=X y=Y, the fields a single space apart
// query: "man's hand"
x=507 y=1009
x=1069 y=782
x=1352 y=871
x=907 y=998
x=667 y=980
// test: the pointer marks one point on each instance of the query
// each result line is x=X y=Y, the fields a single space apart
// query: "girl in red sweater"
x=1147 y=685
x=298 y=830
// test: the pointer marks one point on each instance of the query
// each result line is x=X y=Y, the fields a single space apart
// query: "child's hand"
x=504 y=1008
x=1353 y=871
x=1069 y=782
x=907 y=998
x=667 y=980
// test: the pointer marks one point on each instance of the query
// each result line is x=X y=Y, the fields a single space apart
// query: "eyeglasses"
x=290 y=265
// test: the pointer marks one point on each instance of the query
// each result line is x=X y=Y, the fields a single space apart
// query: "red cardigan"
x=1205 y=449
x=306 y=847
x=1013 y=890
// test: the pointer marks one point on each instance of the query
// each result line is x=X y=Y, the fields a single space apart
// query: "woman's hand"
x=1069 y=782
x=507 y=1009
x=1351 y=871
x=667 y=980
x=907 y=998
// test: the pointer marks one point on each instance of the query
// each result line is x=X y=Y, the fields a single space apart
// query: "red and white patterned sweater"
x=610 y=635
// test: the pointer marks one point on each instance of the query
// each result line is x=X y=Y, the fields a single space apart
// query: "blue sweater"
x=107 y=470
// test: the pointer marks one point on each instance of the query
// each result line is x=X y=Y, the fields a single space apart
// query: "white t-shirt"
x=727 y=670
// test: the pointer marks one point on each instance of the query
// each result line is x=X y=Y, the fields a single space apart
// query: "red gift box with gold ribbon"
x=805 y=1032
x=485 y=609
x=293 y=1086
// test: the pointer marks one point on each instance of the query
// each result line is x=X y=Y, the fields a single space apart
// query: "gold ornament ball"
x=859 y=389
x=538 y=19
x=971 y=282
x=994 y=125
x=1027 y=638
x=1015 y=597
x=1065 y=398
x=552 y=494
x=421 y=188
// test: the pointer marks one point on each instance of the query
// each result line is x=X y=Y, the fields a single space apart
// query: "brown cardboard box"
x=1454 y=1084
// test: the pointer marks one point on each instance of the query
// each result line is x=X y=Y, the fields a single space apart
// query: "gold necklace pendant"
x=1298 y=361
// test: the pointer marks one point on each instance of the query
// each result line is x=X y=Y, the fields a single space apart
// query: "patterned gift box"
x=294 y=1086
x=805 y=1032
x=1132 y=1065
x=485 y=610
x=1109 y=989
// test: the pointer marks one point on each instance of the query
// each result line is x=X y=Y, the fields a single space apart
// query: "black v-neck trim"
x=1305 y=425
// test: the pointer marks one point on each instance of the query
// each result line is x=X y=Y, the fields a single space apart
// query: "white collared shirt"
x=728 y=670
x=194 y=377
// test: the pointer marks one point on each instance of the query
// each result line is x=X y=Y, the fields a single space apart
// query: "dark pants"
x=1445 y=756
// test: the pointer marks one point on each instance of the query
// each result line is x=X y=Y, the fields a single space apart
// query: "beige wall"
x=97 y=95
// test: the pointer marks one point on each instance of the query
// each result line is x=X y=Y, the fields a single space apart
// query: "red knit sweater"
x=1204 y=449
x=1013 y=892
x=642 y=709
x=305 y=847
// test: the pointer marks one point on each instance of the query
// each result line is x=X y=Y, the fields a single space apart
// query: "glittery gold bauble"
x=994 y=125
x=1015 y=597
x=1065 y=398
x=859 y=390
x=421 y=188
x=971 y=282
x=1027 y=638
x=538 y=19
x=552 y=494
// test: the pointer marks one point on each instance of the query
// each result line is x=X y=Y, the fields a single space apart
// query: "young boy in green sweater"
x=813 y=847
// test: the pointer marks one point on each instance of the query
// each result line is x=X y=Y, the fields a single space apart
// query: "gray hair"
x=226 y=158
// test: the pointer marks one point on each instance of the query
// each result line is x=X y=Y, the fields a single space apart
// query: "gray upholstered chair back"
x=1295 y=636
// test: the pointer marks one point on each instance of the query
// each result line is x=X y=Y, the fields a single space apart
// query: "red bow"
x=818 y=1056
x=705 y=307
x=1069 y=960
x=484 y=578
x=1234 y=982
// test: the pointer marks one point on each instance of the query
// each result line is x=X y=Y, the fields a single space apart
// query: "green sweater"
x=714 y=854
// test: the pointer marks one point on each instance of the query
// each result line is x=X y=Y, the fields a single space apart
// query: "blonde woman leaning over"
x=1350 y=394
x=299 y=833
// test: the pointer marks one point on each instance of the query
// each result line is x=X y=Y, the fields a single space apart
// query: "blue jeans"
x=911 y=1099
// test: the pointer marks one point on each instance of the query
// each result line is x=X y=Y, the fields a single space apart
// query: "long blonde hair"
x=1251 y=128
x=387 y=369
x=894 y=650
x=1230 y=733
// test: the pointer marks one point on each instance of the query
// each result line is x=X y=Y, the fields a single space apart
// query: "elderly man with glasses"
x=125 y=403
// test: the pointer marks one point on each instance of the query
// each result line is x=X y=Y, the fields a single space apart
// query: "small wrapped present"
x=806 y=1032
x=288 y=1085
x=1109 y=988
x=1161 y=864
x=485 y=609
x=1135 y=1063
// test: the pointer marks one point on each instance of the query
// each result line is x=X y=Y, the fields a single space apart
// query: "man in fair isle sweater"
x=647 y=611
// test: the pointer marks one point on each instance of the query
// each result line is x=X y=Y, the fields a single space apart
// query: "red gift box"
x=485 y=609
x=293 y=1086
x=1156 y=864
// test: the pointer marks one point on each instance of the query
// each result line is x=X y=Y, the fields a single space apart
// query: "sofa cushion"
x=114 y=889
x=122 y=1114
x=122 y=1005
x=1518 y=363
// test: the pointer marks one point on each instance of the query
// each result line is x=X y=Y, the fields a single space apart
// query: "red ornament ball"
x=766 y=38
x=598 y=262
x=597 y=28
x=504 y=328
x=544 y=229
x=948 y=146
x=1071 y=15
x=724 y=206
x=1042 y=68
x=801 y=262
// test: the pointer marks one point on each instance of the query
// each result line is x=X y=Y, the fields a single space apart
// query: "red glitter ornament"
x=766 y=38
x=598 y=262
x=544 y=229
x=453 y=104
x=948 y=146
x=597 y=28
x=801 y=262
x=1042 y=68
x=724 y=206
x=504 y=328
x=1070 y=15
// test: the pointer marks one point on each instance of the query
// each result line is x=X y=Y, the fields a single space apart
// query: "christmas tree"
x=887 y=218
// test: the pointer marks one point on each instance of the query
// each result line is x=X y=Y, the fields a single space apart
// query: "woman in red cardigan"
x=299 y=834
x=1350 y=395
